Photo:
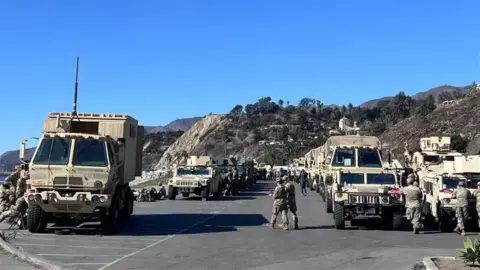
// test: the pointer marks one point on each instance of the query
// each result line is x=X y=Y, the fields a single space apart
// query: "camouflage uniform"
x=12 y=179
x=461 y=211
x=413 y=199
x=476 y=194
x=20 y=207
x=291 y=202
x=279 y=204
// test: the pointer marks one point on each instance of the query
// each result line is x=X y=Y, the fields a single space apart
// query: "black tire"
x=185 y=195
x=445 y=225
x=397 y=220
x=108 y=223
x=127 y=209
x=36 y=219
x=339 y=216
x=318 y=187
x=172 y=193
x=310 y=184
x=205 y=194
x=329 y=205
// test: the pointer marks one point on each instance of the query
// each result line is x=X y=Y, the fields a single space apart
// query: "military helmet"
x=461 y=183
x=18 y=167
x=478 y=184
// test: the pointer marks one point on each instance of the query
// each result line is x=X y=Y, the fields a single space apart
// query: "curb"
x=430 y=265
x=19 y=252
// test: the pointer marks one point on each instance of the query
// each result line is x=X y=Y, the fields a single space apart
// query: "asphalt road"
x=231 y=234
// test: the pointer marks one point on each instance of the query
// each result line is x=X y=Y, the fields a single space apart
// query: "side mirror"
x=22 y=150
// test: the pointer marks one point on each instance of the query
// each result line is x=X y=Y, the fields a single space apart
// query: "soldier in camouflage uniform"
x=279 y=205
x=12 y=179
x=461 y=211
x=291 y=202
x=476 y=194
x=17 y=192
x=413 y=203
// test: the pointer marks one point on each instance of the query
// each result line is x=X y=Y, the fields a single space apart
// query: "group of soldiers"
x=12 y=191
x=284 y=201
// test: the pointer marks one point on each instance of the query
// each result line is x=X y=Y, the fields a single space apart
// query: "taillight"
x=395 y=190
x=446 y=200
x=446 y=190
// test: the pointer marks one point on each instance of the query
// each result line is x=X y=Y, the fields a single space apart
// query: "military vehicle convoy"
x=439 y=169
x=200 y=176
x=81 y=170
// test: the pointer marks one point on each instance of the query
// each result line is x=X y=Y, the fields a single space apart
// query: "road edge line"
x=430 y=265
x=20 y=253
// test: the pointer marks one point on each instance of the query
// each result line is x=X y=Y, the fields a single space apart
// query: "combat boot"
x=415 y=230
x=463 y=232
x=285 y=226
x=457 y=230
x=296 y=226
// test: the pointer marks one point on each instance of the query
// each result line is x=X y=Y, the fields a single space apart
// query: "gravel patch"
x=449 y=264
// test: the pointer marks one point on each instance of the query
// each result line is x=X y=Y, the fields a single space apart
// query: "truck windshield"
x=450 y=183
x=53 y=151
x=344 y=157
x=369 y=158
x=380 y=179
x=90 y=152
x=352 y=178
x=191 y=171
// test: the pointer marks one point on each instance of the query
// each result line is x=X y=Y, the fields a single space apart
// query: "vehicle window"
x=380 y=179
x=53 y=151
x=369 y=158
x=90 y=152
x=352 y=178
x=450 y=183
x=344 y=157
x=110 y=154
x=431 y=159
x=188 y=171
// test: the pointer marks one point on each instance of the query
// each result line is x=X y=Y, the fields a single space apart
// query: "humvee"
x=81 y=170
x=439 y=169
x=200 y=176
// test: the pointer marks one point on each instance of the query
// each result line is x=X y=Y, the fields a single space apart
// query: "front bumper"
x=80 y=202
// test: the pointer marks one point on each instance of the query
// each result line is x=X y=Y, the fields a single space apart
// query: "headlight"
x=95 y=199
x=38 y=197
x=385 y=199
x=98 y=185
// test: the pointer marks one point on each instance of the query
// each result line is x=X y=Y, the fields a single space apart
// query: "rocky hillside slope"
x=457 y=119
x=182 y=124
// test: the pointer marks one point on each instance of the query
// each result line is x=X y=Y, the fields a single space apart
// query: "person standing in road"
x=291 y=202
x=279 y=205
x=413 y=202
x=461 y=212
x=476 y=194
x=303 y=182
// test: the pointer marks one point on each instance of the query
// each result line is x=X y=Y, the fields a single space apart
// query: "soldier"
x=303 y=185
x=413 y=203
x=291 y=202
x=12 y=179
x=20 y=206
x=461 y=212
x=161 y=192
x=279 y=205
x=476 y=194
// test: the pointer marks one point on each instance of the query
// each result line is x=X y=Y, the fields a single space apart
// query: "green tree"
x=237 y=110
x=459 y=143
x=426 y=106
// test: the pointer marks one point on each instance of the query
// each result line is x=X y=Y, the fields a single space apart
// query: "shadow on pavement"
x=168 y=224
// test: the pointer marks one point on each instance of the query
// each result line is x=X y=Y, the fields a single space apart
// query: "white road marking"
x=37 y=245
x=79 y=255
x=85 y=263
x=80 y=240
x=156 y=243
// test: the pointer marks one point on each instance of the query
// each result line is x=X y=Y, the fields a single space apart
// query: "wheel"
x=36 y=219
x=339 y=216
x=172 y=193
x=185 y=194
x=127 y=209
x=329 y=204
x=397 y=220
x=108 y=223
x=310 y=184
x=205 y=194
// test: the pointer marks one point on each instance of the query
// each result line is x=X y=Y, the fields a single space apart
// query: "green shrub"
x=470 y=253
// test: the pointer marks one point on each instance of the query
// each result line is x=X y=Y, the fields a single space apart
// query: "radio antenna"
x=75 y=91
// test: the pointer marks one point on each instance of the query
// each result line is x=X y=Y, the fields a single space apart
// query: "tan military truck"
x=439 y=169
x=356 y=184
x=81 y=169
x=200 y=176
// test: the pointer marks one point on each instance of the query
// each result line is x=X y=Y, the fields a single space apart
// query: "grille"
x=74 y=207
x=68 y=207
x=364 y=199
x=185 y=183
x=60 y=207
x=63 y=181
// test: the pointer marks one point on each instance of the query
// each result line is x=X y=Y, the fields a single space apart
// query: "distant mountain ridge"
x=182 y=124
x=435 y=92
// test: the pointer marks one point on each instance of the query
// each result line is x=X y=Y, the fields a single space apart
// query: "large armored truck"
x=356 y=184
x=81 y=169
x=200 y=176
x=439 y=169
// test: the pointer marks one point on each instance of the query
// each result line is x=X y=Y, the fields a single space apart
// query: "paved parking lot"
x=151 y=224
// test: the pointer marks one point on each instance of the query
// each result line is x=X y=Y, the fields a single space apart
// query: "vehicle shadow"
x=169 y=224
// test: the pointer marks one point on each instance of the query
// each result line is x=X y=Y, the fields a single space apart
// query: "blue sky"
x=161 y=60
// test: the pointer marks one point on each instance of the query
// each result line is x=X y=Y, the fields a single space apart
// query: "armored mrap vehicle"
x=439 y=169
x=356 y=184
x=81 y=169
x=200 y=177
